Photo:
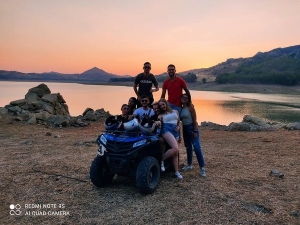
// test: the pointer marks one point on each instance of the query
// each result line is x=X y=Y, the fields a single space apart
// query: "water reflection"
x=217 y=107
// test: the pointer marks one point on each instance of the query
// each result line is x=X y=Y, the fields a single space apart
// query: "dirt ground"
x=45 y=175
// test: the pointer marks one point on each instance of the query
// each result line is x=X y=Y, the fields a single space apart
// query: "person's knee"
x=175 y=151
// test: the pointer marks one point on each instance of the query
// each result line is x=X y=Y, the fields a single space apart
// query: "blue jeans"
x=178 y=108
x=190 y=142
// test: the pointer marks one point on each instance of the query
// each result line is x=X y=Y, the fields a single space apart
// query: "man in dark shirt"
x=143 y=84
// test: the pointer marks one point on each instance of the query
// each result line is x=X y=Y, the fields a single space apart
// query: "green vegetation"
x=266 y=68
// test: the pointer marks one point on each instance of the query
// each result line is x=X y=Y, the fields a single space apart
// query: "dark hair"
x=132 y=107
x=172 y=66
x=147 y=63
x=124 y=105
x=189 y=99
x=144 y=96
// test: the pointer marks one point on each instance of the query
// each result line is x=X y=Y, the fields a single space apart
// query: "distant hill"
x=96 y=74
x=278 y=66
x=92 y=75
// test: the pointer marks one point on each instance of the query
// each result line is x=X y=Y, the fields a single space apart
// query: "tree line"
x=282 y=71
x=189 y=78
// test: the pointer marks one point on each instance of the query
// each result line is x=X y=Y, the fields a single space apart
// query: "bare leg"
x=173 y=152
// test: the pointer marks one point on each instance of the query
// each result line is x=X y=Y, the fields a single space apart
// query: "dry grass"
x=237 y=190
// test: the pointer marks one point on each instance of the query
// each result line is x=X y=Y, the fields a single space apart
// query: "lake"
x=218 y=107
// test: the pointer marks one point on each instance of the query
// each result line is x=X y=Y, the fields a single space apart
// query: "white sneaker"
x=178 y=175
x=187 y=168
x=202 y=172
x=162 y=166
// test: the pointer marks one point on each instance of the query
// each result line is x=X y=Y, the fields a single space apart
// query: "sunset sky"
x=118 y=36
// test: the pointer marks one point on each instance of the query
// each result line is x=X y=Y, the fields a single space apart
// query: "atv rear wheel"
x=147 y=175
x=100 y=173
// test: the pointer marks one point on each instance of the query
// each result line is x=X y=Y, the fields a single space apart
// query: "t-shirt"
x=145 y=83
x=124 y=120
x=174 y=88
x=154 y=117
x=141 y=112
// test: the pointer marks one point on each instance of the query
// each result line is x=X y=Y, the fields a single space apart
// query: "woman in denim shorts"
x=170 y=132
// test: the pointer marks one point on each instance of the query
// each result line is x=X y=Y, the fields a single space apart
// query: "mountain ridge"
x=95 y=74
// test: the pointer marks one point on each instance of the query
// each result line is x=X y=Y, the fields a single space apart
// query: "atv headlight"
x=103 y=139
x=139 y=143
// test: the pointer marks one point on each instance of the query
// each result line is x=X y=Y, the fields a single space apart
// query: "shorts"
x=168 y=127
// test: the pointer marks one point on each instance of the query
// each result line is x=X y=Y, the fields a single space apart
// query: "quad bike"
x=134 y=152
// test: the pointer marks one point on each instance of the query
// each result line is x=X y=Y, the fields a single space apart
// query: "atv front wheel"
x=147 y=175
x=100 y=173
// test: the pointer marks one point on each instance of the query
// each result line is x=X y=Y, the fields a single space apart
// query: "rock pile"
x=252 y=123
x=42 y=107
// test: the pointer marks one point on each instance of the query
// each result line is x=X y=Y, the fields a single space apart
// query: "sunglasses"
x=144 y=100
x=147 y=67
x=126 y=108
x=184 y=98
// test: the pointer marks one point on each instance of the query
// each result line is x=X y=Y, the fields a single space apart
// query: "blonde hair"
x=169 y=109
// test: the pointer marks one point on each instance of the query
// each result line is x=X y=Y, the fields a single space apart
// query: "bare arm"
x=194 y=116
x=163 y=93
x=135 y=89
x=154 y=89
x=178 y=126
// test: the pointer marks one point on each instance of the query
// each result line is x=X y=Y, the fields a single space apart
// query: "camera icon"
x=15 y=210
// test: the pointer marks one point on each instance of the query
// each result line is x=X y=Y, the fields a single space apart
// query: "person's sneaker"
x=162 y=166
x=178 y=175
x=202 y=172
x=187 y=168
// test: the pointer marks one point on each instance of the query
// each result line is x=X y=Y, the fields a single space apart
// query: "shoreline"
x=209 y=86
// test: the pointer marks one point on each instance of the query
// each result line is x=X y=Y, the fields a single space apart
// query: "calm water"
x=217 y=107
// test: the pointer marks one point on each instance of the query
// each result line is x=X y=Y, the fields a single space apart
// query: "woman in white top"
x=169 y=120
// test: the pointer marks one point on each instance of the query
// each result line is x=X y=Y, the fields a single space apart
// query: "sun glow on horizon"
x=118 y=38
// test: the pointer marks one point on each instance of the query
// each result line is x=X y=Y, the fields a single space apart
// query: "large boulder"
x=39 y=90
x=57 y=102
x=3 y=111
x=58 y=120
x=40 y=106
x=15 y=110
x=255 y=120
x=19 y=103
x=293 y=126
x=90 y=115
x=239 y=126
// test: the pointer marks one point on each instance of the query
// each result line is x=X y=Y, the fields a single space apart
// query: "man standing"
x=143 y=84
x=174 y=85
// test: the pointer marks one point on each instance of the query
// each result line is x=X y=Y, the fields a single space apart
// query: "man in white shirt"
x=145 y=111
